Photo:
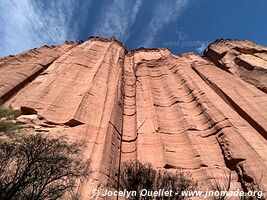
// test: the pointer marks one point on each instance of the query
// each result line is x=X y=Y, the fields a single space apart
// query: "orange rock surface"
x=206 y=115
x=241 y=58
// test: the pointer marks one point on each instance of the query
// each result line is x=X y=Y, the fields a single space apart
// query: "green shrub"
x=8 y=113
x=6 y=117
x=8 y=126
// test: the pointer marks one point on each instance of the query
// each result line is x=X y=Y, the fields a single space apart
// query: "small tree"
x=135 y=176
x=35 y=167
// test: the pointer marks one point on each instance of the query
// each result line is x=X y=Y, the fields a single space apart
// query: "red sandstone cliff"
x=241 y=58
x=207 y=116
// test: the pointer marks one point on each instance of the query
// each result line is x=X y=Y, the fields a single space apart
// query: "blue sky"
x=180 y=25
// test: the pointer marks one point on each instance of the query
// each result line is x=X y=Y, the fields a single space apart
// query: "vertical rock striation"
x=202 y=115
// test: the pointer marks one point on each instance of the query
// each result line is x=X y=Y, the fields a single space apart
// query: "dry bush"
x=135 y=176
x=35 y=167
x=225 y=186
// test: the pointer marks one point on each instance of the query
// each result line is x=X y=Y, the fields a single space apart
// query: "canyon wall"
x=243 y=59
x=205 y=115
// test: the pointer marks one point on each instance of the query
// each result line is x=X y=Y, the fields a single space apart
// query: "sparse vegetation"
x=7 y=117
x=35 y=166
x=224 y=187
x=135 y=176
x=8 y=113
x=8 y=126
x=177 y=182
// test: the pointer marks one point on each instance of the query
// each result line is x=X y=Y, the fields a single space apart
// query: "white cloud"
x=117 y=19
x=202 y=47
x=164 y=13
x=30 y=23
